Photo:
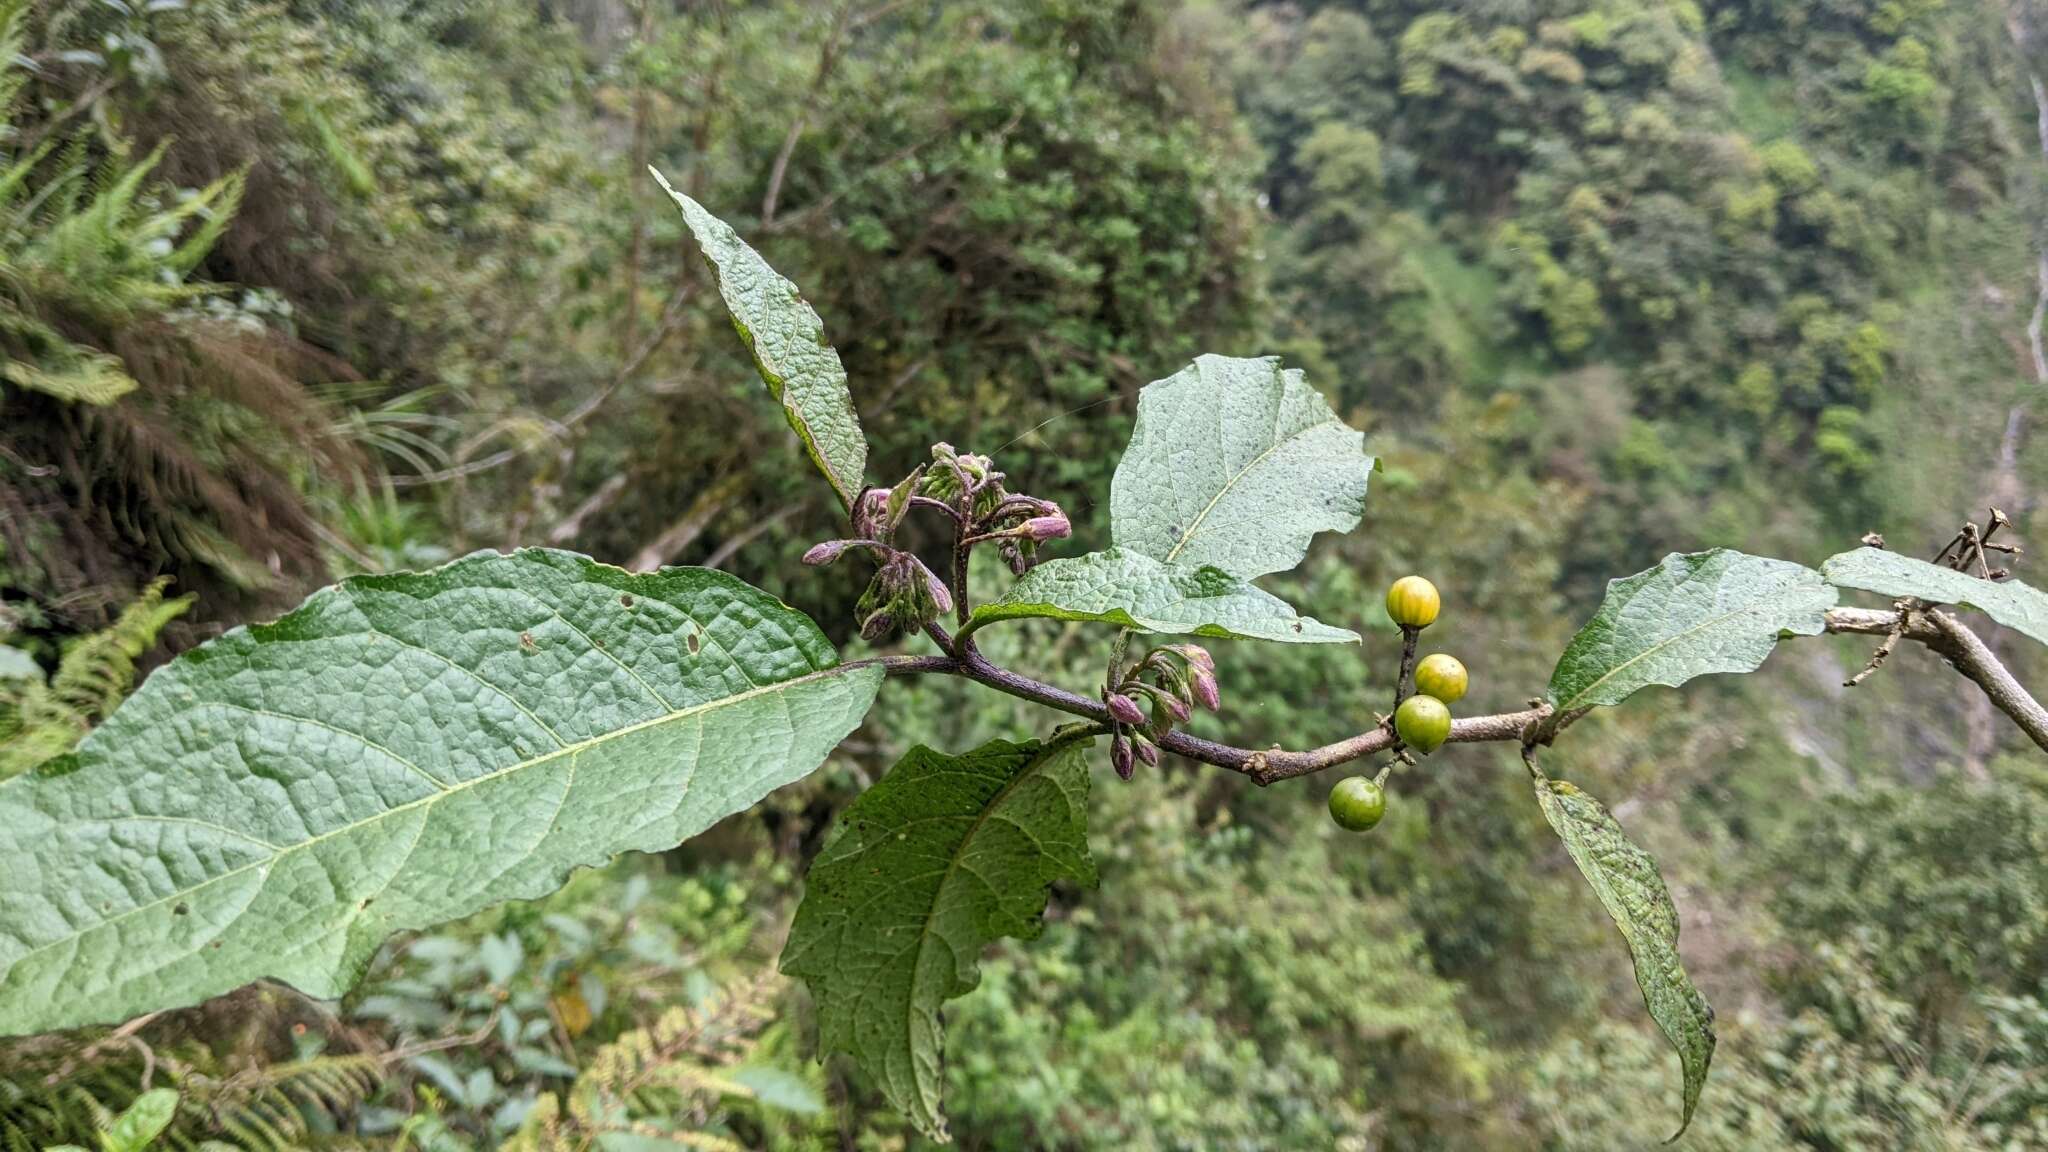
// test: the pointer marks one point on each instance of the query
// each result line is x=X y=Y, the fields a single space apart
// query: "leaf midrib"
x=1194 y=527
x=431 y=798
x=1567 y=705
x=924 y=935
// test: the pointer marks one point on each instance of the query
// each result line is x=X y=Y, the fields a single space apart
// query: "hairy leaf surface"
x=2009 y=602
x=398 y=751
x=927 y=868
x=1236 y=463
x=1633 y=892
x=800 y=367
x=1135 y=591
x=1696 y=613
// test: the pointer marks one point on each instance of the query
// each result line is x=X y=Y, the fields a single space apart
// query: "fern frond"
x=13 y=37
x=677 y=1066
x=84 y=377
x=214 y=206
x=96 y=672
x=40 y=721
x=273 y=1108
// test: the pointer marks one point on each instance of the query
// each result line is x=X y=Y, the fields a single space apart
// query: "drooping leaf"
x=1236 y=463
x=1695 y=613
x=1132 y=590
x=2009 y=602
x=800 y=367
x=927 y=868
x=398 y=751
x=1633 y=892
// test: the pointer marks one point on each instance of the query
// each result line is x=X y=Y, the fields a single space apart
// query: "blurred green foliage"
x=379 y=282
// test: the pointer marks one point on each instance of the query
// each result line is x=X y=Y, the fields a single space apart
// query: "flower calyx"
x=1171 y=681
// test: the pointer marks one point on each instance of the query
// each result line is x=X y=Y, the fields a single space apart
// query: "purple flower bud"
x=1176 y=707
x=1204 y=683
x=826 y=553
x=1043 y=528
x=1125 y=709
x=1196 y=656
x=1149 y=753
x=876 y=626
x=1120 y=755
x=869 y=512
x=941 y=595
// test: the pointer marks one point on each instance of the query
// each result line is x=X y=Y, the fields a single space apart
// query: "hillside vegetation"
x=291 y=290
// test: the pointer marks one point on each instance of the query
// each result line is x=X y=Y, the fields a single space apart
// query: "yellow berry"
x=1413 y=602
x=1441 y=676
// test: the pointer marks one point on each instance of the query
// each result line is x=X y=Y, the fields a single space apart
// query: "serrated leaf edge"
x=1548 y=791
x=1046 y=750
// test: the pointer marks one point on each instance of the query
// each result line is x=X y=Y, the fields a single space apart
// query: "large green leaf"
x=2009 y=602
x=1134 y=591
x=927 y=868
x=787 y=339
x=397 y=751
x=1630 y=888
x=1236 y=463
x=1718 y=611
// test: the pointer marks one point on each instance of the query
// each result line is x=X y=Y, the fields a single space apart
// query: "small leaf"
x=624 y=1141
x=398 y=751
x=800 y=367
x=928 y=867
x=18 y=665
x=1237 y=464
x=2009 y=602
x=144 y=1121
x=1132 y=590
x=1630 y=888
x=1718 y=611
x=776 y=1088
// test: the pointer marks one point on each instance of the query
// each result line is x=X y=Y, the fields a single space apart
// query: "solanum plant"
x=407 y=748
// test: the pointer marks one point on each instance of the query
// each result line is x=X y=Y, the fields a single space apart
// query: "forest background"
x=301 y=288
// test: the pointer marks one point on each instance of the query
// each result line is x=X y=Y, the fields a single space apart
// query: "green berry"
x=1441 y=676
x=1423 y=723
x=1413 y=602
x=1356 y=803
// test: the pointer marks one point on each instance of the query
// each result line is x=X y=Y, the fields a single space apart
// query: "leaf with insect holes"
x=1132 y=590
x=2011 y=603
x=927 y=868
x=398 y=751
x=800 y=367
x=1237 y=464
x=1718 y=611
x=1633 y=892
